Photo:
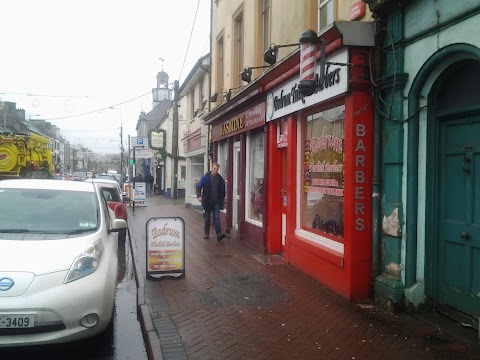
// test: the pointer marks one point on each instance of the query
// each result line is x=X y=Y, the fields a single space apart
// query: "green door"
x=458 y=219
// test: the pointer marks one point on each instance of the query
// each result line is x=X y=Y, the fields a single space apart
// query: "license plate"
x=14 y=321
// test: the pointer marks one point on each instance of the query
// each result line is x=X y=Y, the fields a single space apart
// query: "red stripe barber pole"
x=308 y=49
x=307 y=63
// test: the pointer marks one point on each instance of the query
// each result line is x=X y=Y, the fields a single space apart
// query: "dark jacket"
x=203 y=189
x=149 y=179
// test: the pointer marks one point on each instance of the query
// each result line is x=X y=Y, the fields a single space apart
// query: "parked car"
x=106 y=176
x=79 y=175
x=58 y=268
x=116 y=199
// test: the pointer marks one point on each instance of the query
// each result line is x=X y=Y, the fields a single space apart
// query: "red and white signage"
x=357 y=10
x=143 y=153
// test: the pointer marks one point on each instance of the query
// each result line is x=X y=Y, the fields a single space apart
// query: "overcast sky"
x=62 y=58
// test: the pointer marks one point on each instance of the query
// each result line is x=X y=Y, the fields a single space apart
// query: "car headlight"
x=87 y=262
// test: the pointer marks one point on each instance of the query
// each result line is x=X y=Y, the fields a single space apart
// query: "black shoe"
x=206 y=236
x=220 y=237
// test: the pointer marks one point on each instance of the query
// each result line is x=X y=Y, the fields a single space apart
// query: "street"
x=123 y=341
x=238 y=303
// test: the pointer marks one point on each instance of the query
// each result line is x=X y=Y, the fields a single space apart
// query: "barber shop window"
x=255 y=173
x=323 y=172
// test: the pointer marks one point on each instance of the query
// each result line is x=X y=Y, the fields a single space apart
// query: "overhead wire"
x=121 y=103
x=190 y=39
x=52 y=96
x=110 y=129
x=98 y=110
x=380 y=107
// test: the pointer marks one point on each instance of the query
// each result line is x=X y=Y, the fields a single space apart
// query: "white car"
x=114 y=196
x=108 y=181
x=58 y=265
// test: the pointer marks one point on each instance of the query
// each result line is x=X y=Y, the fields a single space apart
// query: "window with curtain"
x=322 y=181
x=255 y=174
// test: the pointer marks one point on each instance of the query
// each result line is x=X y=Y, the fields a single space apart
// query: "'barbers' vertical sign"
x=165 y=247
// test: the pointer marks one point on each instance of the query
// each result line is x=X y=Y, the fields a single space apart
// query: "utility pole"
x=129 y=167
x=175 y=140
x=121 y=153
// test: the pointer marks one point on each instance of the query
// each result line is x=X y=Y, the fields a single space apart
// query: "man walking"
x=211 y=193
x=149 y=179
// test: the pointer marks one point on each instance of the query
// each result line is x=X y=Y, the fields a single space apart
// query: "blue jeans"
x=215 y=209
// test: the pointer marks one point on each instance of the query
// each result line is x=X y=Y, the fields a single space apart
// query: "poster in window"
x=324 y=154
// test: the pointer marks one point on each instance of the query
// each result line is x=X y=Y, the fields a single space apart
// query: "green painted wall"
x=419 y=31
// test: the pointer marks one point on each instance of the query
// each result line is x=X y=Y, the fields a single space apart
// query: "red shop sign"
x=244 y=121
x=357 y=10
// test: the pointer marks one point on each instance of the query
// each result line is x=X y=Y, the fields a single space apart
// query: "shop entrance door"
x=236 y=187
x=159 y=176
x=283 y=193
x=458 y=226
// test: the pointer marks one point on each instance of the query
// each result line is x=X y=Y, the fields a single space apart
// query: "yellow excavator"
x=25 y=156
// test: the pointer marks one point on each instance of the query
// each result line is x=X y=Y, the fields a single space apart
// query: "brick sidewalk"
x=236 y=303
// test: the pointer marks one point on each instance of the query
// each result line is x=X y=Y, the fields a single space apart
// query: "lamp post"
x=175 y=139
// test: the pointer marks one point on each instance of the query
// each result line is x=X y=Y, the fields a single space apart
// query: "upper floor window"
x=238 y=50
x=192 y=104
x=201 y=95
x=325 y=13
x=219 y=61
x=266 y=24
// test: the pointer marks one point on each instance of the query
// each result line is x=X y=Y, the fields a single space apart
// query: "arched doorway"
x=453 y=197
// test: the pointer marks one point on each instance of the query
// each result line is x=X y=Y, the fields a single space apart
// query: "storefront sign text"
x=157 y=139
x=165 y=247
x=234 y=124
x=287 y=99
x=246 y=120
x=359 y=198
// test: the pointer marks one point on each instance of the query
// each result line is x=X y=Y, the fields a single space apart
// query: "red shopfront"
x=320 y=165
x=239 y=146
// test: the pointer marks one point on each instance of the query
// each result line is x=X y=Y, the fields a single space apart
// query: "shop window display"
x=323 y=172
x=255 y=177
x=222 y=159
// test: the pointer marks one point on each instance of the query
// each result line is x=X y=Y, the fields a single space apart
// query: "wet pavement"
x=123 y=341
x=237 y=303
x=128 y=341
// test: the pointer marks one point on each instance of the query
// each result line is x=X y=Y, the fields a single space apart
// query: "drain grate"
x=248 y=289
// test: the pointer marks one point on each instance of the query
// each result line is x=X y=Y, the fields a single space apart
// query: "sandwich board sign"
x=139 y=192
x=165 y=247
